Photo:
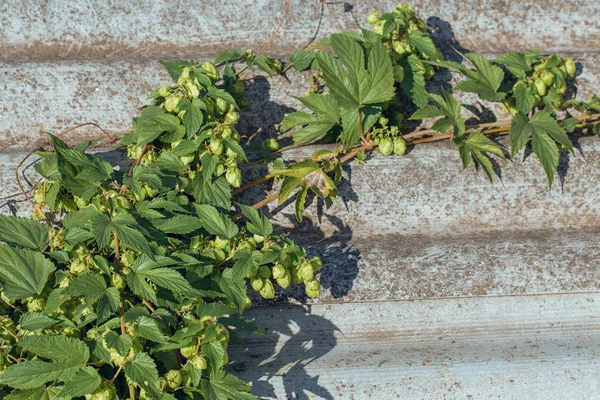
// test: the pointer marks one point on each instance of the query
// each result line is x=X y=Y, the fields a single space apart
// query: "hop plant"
x=120 y=268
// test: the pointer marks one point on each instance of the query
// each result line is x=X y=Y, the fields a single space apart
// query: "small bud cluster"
x=396 y=27
x=388 y=138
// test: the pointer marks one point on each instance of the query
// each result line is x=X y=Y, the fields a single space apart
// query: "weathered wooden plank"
x=534 y=347
x=116 y=30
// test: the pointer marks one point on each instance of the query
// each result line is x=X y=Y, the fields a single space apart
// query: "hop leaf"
x=545 y=133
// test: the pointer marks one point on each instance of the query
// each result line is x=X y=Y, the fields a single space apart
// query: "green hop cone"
x=210 y=70
x=429 y=72
x=398 y=73
x=316 y=263
x=257 y=284
x=386 y=146
x=271 y=144
x=264 y=272
x=77 y=267
x=221 y=106
x=399 y=146
x=285 y=280
x=118 y=281
x=296 y=280
x=172 y=102
x=192 y=89
x=232 y=117
x=306 y=271
x=401 y=47
x=173 y=378
x=216 y=146
x=232 y=155
x=570 y=68
x=164 y=91
x=188 y=351
x=106 y=391
x=548 y=78
x=39 y=194
x=276 y=65
x=373 y=18
x=220 y=170
x=378 y=28
x=185 y=75
x=313 y=289
x=267 y=291
x=234 y=177
x=56 y=238
x=116 y=358
x=279 y=271
x=199 y=362
x=247 y=303
x=186 y=160
x=562 y=90
x=540 y=86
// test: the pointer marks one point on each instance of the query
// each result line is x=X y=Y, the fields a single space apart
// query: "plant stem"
x=360 y=126
x=369 y=145
x=117 y=256
x=116 y=374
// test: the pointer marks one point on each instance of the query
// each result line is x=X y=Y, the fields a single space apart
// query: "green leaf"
x=302 y=59
x=174 y=68
x=89 y=285
x=524 y=95
x=517 y=63
x=148 y=329
x=229 y=55
x=123 y=224
x=569 y=124
x=108 y=304
x=235 y=146
x=334 y=79
x=413 y=84
x=150 y=128
x=216 y=223
x=23 y=232
x=326 y=115
x=544 y=147
x=422 y=41
x=85 y=381
x=193 y=117
x=68 y=355
x=545 y=132
x=179 y=224
x=158 y=272
x=142 y=371
x=122 y=343
x=258 y=223
x=234 y=288
x=294 y=119
x=221 y=94
x=300 y=200
x=244 y=262
x=263 y=63
x=23 y=273
x=485 y=80
x=32 y=321
x=379 y=85
x=224 y=386
x=215 y=192
x=214 y=352
x=474 y=147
